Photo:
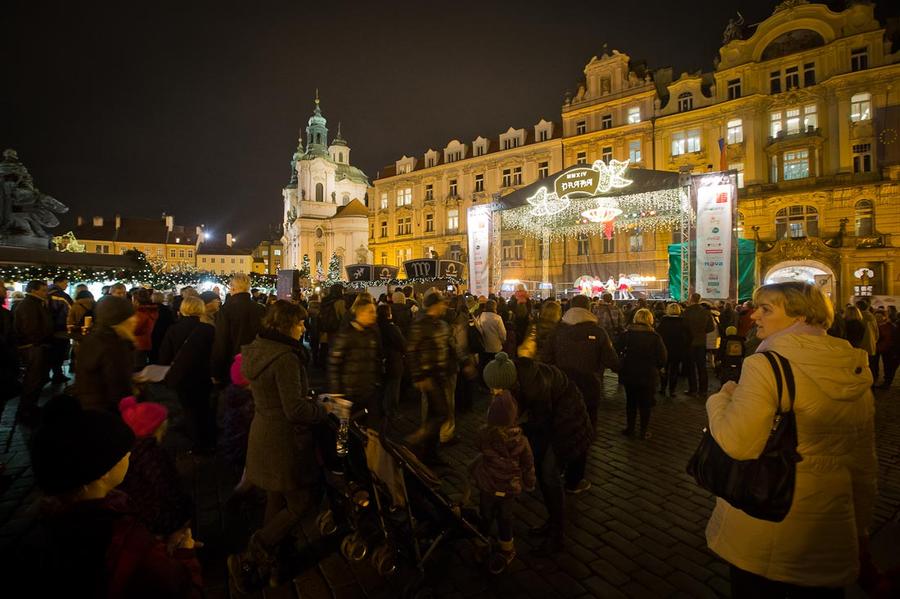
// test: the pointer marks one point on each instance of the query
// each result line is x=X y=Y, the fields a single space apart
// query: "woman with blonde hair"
x=643 y=354
x=815 y=550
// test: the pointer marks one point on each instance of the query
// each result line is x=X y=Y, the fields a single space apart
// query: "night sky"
x=193 y=107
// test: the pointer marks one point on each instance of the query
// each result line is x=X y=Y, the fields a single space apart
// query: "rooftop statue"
x=734 y=30
x=25 y=212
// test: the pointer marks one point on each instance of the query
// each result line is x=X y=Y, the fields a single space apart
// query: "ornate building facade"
x=325 y=201
x=805 y=106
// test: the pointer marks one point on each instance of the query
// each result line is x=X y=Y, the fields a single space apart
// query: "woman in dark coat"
x=545 y=327
x=281 y=456
x=644 y=353
x=106 y=356
x=676 y=335
x=854 y=327
x=187 y=347
x=394 y=347
x=355 y=368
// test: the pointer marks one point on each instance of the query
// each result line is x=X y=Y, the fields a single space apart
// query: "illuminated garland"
x=652 y=210
x=143 y=273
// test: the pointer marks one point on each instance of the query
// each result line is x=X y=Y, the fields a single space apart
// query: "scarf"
x=798 y=328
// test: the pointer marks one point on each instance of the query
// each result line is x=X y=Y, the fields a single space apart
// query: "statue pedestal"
x=25 y=241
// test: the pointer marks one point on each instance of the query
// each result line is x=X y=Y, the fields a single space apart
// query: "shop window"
x=796 y=222
x=865 y=218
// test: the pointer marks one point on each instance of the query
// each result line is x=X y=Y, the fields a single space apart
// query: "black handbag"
x=762 y=487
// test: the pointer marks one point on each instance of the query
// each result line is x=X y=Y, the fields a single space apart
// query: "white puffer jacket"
x=816 y=545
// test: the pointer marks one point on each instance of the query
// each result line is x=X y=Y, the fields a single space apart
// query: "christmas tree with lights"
x=305 y=267
x=320 y=272
x=334 y=270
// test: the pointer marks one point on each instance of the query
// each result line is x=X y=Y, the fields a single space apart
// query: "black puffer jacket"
x=402 y=316
x=544 y=330
x=187 y=348
x=644 y=353
x=581 y=345
x=554 y=407
x=355 y=367
x=394 y=346
x=237 y=324
x=428 y=350
x=103 y=370
x=676 y=335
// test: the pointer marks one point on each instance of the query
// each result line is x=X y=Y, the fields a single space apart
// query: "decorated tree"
x=334 y=269
x=320 y=272
x=305 y=267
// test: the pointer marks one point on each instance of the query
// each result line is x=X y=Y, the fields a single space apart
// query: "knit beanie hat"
x=236 y=376
x=209 y=296
x=112 y=310
x=500 y=373
x=503 y=411
x=143 y=418
x=74 y=447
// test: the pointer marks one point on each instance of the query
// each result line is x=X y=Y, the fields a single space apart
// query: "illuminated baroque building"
x=324 y=203
x=805 y=106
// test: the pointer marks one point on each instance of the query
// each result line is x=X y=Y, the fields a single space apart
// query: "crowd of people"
x=540 y=365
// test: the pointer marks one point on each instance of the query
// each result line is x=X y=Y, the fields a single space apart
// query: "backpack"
x=328 y=319
x=474 y=337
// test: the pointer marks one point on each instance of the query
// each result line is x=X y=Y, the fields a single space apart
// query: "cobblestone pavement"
x=637 y=532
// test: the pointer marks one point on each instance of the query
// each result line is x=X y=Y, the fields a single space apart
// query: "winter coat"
x=355 y=362
x=165 y=319
x=643 y=354
x=237 y=324
x=236 y=419
x=58 y=302
x=506 y=463
x=886 y=334
x=870 y=338
x=84 y=547
x=331 y=315
x=143 y=331
x=583 y=351
x=610 y=318
x=544 y=330
x=394 y=347
x=80 y=309
x=280 y=451
x=31 y=321
x=187 y=347
x=700 y=322
x=712 y=337
x=520 y=313
x=155 y=491
x=493 y=331
x=403 y=317
x=855 y=331
x=554 y=408
x=103 y=370
x=816 y=544
x=676 y=335
x=429 y=352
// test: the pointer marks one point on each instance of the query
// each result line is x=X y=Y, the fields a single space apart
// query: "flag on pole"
x=723 y=154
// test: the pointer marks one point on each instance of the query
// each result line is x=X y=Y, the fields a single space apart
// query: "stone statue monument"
x=734 y=30
x=25 y=212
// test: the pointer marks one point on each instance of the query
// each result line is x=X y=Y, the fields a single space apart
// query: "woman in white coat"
x=814 y=552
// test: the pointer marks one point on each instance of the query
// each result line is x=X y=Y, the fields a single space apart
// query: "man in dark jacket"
x=237 y=324
x=33 y=328
x=700 y=322
x=59 y=303
x=105 y=361
x=401 y=312
x=355 y=361
x=331 y=314
x=9 y=360
x=583 y=350
x=430 y=359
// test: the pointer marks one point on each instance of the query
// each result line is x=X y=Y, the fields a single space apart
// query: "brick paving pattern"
x=637 y=532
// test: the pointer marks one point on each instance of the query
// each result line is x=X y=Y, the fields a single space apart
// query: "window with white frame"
x=429 y=223
x=404 y=197
x=404 y=226
x=859 y=59
x=543 y=170
x=693 y=140
x=609 y=245
x=735 y=131
x=429 y=162
x=507 y=177
x=384 y=258
x=865 y=218
x=796 y=222
x=606 y=121
x=479 y=182
x=510 y=143
x=791 y=78
x=455 y=252
x=452 y=219
x=739 y=167
x=861 y=107
x=454 y=188
x=403 y=169
x=584 y=244
x=513 y=249
x=429 y=191
x=384 y=200
x=543 y=135
x=862 y=158
x=581 y=157
x=384 y=228
x=634 y=150
x=403 y=255
x=517 y=175
x=793 y=120
x=634 y=115
x=734 y=89
x=796 y=164
x=580 y=127
x=679 y=143
x=606 y=154
x=685 y=101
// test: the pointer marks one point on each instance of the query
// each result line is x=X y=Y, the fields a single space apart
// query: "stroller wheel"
x=496 y=563
x=354 y=548
x=326 y=524
x=384 y=561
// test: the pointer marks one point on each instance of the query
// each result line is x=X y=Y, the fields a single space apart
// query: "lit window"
x=581 y=158
x=404 y=197
x=171 y=253
x=796 y=164
x=865 y=218
x=429 y=223
x=479 y=182
x=862 y=158
x=429 y=192
x=507 y=177
x=792 y=120
x=734 y=89
x=606 y=121
x=606 y=154
x=453 y=188
x=859 y=59
x=634 y=150
x=634 y=115
x=384 y=201
x=678 y=143
x=861 y=107
x=685 y=102
x=810 y=117
x=739 y=167
x=276 y=252
x=693 y=140
x=181 y=253
x=517 y=175
x=797 y=221
x=543 y=169
x=452 y=219
x=735 y=131
x=580 y=127
x=636 y=242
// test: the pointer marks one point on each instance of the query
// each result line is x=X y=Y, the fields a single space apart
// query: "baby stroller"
x=402 y=509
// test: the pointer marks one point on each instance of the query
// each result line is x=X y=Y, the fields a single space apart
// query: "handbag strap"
x=784 y=376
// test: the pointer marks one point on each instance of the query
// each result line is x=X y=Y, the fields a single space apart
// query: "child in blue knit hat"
x=506 y=464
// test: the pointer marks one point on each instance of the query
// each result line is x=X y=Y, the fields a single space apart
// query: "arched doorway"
x=808 y=271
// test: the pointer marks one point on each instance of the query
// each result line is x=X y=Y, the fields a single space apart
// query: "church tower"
x=316 y=131
x=339 y=150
